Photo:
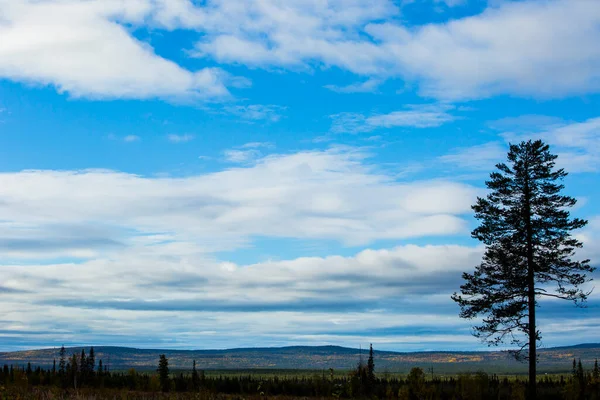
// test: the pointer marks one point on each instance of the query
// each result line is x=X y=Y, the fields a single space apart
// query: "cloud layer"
x=309 y=296
x=86 y=49
x=133 y=254
x=333 y=194
x=513 y=48
x=136 y=250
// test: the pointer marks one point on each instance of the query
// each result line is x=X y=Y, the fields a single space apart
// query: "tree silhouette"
x=163 y=373
x=371 y=367
x=579 y=380
x=91 y=362
x=74 y=370
x=62 y=362
x=195 y=377
x=83 y=366
x=526 y=227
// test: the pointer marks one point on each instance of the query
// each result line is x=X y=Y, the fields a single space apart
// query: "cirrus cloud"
x=413 y=116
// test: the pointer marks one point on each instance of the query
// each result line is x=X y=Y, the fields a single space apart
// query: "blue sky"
x=217 y=174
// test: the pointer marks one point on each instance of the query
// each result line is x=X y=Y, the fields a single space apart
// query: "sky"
x=218 y=174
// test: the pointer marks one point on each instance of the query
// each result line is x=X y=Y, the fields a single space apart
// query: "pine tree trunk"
x=530 y=293
x=532 y=343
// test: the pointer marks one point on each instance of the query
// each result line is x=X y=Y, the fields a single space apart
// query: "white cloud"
x=170 y=292
x=148 y=245
x=367 y=86
x=300 y=297
x=241 y=156
x=293 y=33
x=577 y=144
x=246 y=153
x=256 y=112
x=577 y=135
x=478 y=56
x=415 y=116
x=480 y=157
x=471 y=57
x=526 y=122
x=126 y=139
x=409 y=268
x=333 y=194
x=590 y=236
x=180 y=138
x=131 y=138
x=82 y=48
x=452 y=3
x=254 y=145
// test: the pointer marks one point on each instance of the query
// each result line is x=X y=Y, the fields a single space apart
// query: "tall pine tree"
x=371 y=367
x=195 y=377
x=91 y=362
x=75 y=364
x=163 y=373
x=62 y=364
x=525 y=226
x=83 y=367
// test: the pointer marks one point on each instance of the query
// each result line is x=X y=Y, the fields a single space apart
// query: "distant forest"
x=78 y=374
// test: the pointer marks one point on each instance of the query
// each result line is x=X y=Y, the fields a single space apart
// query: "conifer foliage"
x=62 y=364
x=163 y=373
x=195 y=377
x=371 y=367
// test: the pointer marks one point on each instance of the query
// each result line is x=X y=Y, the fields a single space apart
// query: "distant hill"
x=317 y=358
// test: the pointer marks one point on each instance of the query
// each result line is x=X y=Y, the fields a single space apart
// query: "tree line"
x=80 y=371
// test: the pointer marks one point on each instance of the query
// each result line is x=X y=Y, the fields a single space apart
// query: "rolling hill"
x=552 y=360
